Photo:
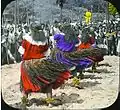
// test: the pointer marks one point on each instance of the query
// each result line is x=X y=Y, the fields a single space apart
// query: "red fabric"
x=96 y=58
x=43 y=80
x=28 y=86
x=33 y=51
x=84 y=46
x=60 y=80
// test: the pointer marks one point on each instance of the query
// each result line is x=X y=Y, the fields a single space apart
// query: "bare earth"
x=100 y=89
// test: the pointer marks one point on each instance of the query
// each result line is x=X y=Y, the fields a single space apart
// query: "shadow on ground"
x=100 y=71
x=92 y=77
x=83 y=85
x=59 y=100
x=89 y=84
x=105 y=64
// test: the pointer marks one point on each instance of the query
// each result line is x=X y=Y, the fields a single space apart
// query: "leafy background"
x=48 y=10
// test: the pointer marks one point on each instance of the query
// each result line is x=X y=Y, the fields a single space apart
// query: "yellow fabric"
x=75 y=81
x=109 y=34
x=88 y=16
x=24 y=100
x=87 y=20
x=49 y=100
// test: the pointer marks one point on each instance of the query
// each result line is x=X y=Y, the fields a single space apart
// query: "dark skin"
x=47 y=90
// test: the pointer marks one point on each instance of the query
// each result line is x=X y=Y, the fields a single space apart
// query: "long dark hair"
x=70 y=33
x=37 y=33
x=85 y=35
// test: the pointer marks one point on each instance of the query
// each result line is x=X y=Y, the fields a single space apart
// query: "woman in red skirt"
x=87 y=42
x=39 y=74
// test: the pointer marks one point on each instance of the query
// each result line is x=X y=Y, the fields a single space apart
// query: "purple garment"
x=94 y=45
x=64 y=46
x=80 y=63
x=68 y=62
x=84 y=63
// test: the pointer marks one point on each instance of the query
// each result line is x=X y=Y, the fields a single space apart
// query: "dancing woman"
x=66 y=52
x=87 y=44
x=39 y=74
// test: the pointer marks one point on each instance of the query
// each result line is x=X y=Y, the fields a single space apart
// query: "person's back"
x=33 y=49
x=118 y=43
x=39 y=73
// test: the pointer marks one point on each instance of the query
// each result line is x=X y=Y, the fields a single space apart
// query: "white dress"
x=118 y=46
x=30 y=40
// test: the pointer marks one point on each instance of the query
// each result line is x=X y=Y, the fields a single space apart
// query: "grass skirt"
x=37 y=74
x=97 y=58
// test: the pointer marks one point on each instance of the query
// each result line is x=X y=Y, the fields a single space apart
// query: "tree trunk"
x=33 y=18
x=16 y=22
x=107 y=15
x=15 y=15
x=61 y=15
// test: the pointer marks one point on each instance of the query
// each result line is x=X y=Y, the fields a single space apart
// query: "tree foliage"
x=60 y=3
x=112 y=9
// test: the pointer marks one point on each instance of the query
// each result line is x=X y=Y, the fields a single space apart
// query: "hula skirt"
x=79 y=63
x=96 y=58
x=38 y=74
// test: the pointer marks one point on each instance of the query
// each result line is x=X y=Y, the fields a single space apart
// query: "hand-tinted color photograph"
x=60 y=54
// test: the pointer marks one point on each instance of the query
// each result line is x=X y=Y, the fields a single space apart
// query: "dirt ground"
x=100 y=89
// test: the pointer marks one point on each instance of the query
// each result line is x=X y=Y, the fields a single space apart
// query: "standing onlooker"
x=109 y=41
x=118 y=44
